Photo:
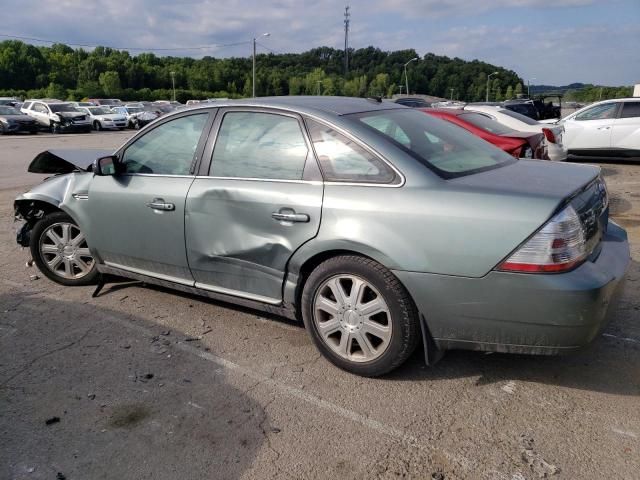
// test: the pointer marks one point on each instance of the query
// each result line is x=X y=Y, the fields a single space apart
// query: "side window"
x=168 y=149
x=259 y=145
x=38 y=107
x=630 y=110
x=389 y=128
x=599 y=112
x=343 y=160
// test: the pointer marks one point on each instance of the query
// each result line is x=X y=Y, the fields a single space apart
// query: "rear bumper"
x=523 y=313
x=556 y=152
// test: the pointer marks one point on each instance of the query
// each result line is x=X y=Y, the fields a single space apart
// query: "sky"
x=551 y=42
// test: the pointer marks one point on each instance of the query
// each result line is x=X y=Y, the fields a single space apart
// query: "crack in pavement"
x=30 y=363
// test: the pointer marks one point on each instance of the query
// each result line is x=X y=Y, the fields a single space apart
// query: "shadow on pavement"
x=120 y=404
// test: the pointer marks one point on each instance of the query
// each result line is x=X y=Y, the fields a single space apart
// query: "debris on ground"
x=91 y=396
x=537 y=464
x=52 y=420
x=61 y=476
x=34 y=277
x=166 y=333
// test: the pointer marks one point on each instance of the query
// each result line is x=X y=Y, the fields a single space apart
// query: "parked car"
x=518 y=144
x=82 y=104
x=103 y=118
x=521 y=123
x=10 y=101
x=136 y=117
x=57 y=116
x=106 y=101
x=376 y=224
x=523 y=107
x=607 y=129
x=413 y=102
x=13 y=120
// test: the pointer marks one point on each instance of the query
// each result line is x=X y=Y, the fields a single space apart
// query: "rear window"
x=445 y=148
x=518 y=116
x=630 y=110
x=485 y=123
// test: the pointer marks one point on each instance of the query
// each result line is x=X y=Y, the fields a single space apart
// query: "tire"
x=97 y=126
x=55 y=128
x=2 y=131
x=381 y=315
x=48 y=244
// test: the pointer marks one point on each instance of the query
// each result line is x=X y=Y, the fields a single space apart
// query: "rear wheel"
x=359 y=315
x=60 y=251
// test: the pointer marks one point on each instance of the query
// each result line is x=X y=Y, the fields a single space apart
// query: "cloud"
x=578 y=47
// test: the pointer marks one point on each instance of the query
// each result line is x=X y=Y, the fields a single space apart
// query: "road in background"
x=144 y=382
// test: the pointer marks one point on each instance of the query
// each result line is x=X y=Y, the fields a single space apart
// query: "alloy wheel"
x=352 y=318
x=65 y=252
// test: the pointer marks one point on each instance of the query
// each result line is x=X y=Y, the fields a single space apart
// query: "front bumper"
x=523 y=313
x=75 y=127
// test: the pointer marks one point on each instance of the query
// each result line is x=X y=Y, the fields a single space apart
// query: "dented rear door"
x=258 y=199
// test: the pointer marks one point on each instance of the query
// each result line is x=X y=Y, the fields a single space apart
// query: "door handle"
x=604 y=128
x=290 y=217
x=160 y=204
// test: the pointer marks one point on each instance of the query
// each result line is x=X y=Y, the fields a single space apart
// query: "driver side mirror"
x=106 y=166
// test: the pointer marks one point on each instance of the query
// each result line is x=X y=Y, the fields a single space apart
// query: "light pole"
x=488 y=79
x=452 y=90
x=318 y=82
x=173 y=83
x=529 y=87
x=253 y=84
x=406 y=78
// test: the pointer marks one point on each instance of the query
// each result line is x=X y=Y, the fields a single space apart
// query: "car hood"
x=111 y=116
x=70 y=114
x=65 y=161
x=25 y=118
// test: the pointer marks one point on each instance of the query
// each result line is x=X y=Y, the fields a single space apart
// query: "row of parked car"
x=610 y=128
x=58 y=116
x=606 y=129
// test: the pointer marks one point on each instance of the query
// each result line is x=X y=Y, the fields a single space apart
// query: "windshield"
x=443 y=147
x=518 y=116
x=62 y=107
x=5 y=110
x=134 y=109
x=98 y=111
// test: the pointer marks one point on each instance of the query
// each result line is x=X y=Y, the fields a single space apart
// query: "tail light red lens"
x=559 y=246
x=549 y=135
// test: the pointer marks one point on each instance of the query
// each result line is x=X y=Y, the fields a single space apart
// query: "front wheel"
x=97 y=126
x=60 y=251
x=359 y=315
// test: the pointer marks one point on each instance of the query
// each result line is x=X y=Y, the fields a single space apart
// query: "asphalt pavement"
x=143 y=382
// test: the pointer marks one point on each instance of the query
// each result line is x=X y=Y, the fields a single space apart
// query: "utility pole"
x=253 y=83
x=452 y=90
x=406 y=78
x=488 y=80
x=319 y=82
x=173 y=83
x=347 y=17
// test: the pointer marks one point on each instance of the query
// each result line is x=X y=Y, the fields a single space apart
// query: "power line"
x=164 y=49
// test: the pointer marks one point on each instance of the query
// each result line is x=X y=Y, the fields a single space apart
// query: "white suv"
x=57 y=116
x=610 y=128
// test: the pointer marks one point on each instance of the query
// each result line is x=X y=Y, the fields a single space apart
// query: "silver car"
x=379 y=227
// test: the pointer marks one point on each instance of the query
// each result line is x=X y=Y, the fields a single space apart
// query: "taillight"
x=549 y=135
x=558 y=246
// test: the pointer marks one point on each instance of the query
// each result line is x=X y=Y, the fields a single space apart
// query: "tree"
x=518 y=90
x=110 y=83
x=509 y=94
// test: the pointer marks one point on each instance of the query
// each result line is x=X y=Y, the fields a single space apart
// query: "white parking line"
x=293 y=392
x=624 y=339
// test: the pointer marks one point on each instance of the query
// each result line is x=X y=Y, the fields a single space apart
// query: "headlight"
x=55 y=118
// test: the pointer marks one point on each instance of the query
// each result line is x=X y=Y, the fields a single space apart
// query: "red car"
x=518 y=144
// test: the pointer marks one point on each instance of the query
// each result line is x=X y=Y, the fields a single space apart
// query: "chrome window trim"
x=364 y=146
x=272 y=180
x=268 y=111
x=154 y=175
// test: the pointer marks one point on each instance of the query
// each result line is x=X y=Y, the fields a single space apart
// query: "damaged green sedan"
x=379 y=227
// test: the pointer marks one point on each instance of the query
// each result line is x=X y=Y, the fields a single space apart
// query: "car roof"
x=311 y=104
